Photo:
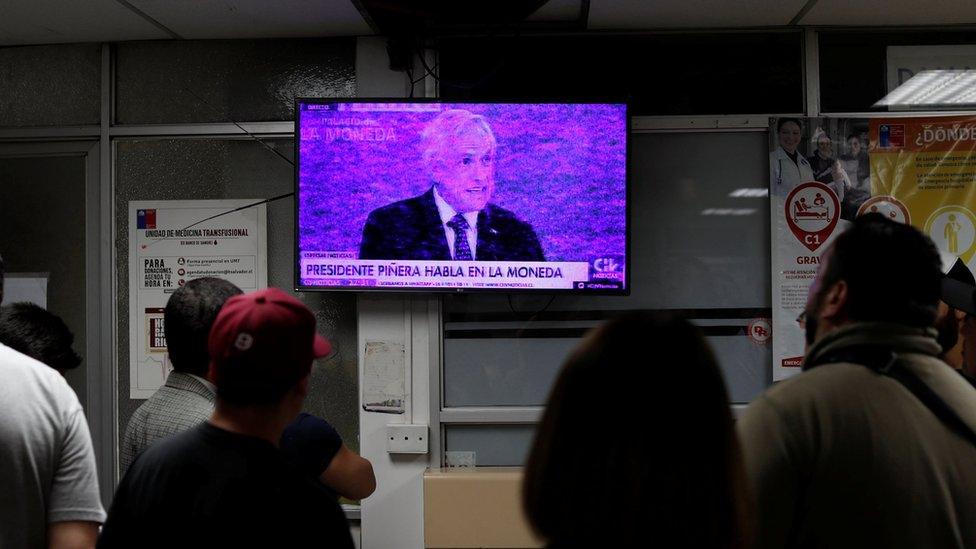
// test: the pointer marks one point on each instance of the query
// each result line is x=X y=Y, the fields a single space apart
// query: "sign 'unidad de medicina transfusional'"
x=170 y=244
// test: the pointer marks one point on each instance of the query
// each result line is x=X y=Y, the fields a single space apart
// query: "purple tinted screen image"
x=547 y=181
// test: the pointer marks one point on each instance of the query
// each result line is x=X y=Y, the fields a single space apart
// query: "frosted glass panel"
x=228 y=80
x=493 y=445
x=49 y=85
x=56 y=247
x=745 y=365
x=502 y=371
x=520 y=372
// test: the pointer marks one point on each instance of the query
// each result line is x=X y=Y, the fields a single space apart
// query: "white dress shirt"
x=447 y=213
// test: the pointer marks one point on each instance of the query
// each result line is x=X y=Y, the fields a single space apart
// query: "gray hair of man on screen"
x=440 y=133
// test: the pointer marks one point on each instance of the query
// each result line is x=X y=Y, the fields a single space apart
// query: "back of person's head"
x=1 y=279
x=190 y=312
x=39 y=334
x=636 y=445
x=262 y=345
x=893 y=272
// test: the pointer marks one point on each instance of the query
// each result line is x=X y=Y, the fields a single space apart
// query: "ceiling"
x=25 y=22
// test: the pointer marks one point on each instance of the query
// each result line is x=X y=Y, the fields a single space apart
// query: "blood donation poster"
x=172 y=242
x=824 y=172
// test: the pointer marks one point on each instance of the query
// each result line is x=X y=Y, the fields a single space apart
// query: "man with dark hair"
x=186 y=400
x=874 y=443
x=48 y=481
x=39 y=334
x=224 y=483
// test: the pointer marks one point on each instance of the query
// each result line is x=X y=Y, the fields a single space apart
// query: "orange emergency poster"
x=929 y=166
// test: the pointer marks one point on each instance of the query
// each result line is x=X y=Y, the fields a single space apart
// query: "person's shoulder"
x=173 y=407
x=498 y=216
x=306 y=421
x=818 y=386
x=15 y=363
x=189 y=394
x=138 y=419
x=169 y=457
x=175 y=448
x=792 y=407
x=401 y=208
x=35 y=380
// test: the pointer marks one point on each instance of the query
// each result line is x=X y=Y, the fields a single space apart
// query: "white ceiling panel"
x=200 y=19
x=25 y=22
x=891 y=12
x=692 y=14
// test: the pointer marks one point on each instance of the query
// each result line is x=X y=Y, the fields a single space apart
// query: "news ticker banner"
x=324 y=269
x=920 y=171
x=168 y=247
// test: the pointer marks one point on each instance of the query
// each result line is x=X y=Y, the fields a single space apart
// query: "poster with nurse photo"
x=819 y=177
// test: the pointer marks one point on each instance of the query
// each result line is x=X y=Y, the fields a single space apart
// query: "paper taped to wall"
x=383 y=377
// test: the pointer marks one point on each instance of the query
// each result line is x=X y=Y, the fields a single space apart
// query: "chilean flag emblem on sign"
x=145 y=219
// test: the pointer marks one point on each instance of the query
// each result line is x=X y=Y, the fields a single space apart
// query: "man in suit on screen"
x=453 y=220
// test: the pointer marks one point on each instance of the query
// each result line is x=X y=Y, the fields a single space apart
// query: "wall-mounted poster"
x=819 y=176
x=824 y=172
x=170 y=244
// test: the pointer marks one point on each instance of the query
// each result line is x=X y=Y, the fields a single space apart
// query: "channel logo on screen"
x=607 y=265
x=607 y=268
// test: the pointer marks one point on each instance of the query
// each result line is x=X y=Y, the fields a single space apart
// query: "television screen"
x=415 y=194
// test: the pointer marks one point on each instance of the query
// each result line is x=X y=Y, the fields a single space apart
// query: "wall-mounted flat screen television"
x=436 y=196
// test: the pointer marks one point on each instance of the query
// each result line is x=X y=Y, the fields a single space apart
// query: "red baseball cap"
x=268 y=331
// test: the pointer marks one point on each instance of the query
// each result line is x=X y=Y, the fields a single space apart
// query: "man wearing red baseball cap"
x=225 y=483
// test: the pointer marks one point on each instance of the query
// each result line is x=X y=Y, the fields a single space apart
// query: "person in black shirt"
x=225 y=483
x=313 y=446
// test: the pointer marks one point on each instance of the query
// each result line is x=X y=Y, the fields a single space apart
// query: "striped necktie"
x=462 y=252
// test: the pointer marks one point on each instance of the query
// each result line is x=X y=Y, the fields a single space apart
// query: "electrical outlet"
x=402 y=438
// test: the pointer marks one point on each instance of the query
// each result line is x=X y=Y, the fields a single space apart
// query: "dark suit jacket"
x=412 y=229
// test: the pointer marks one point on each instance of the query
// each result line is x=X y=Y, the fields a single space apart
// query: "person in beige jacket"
x=856 y=451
